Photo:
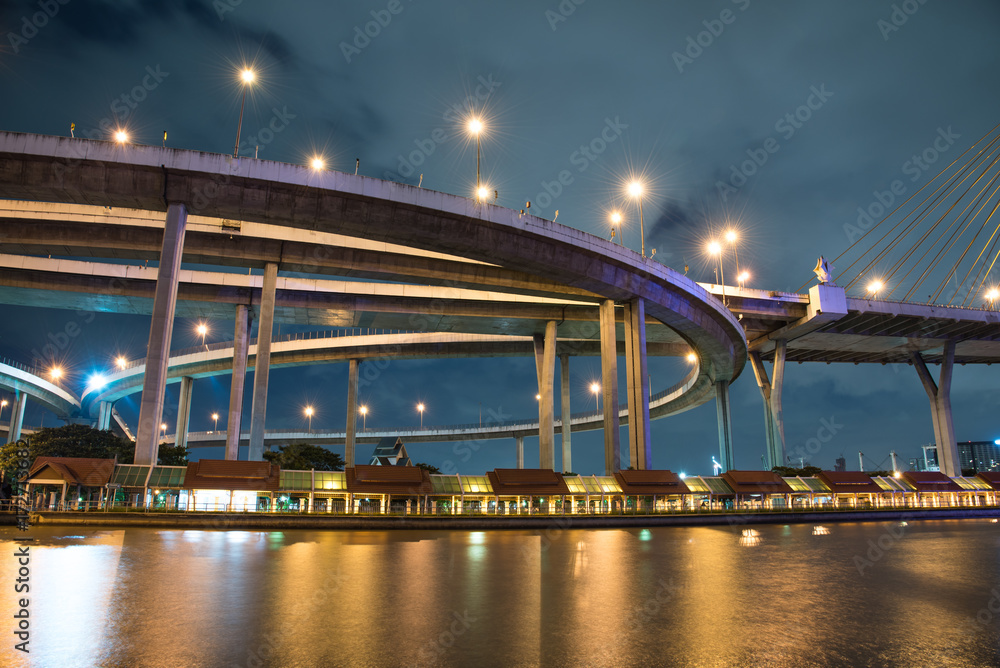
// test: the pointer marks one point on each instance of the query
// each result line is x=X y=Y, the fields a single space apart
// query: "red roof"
x=991 y=478
x=931 y=481
x=88 y=472
x=849 y=482
x=405 y=480
x=231 y=474
x=527 y=482
x=756 y=482
x=650 y=482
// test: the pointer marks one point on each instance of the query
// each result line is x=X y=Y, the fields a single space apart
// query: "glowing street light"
x=364 y=417
x=476 y=128
x=616 y=226
x=420 y=409
x=635 y=190
x=743 y=278
x=55 y=373
x=121 y=137
x=97 y=381
x=317 y=163
x=309 y=414
x=247 y=76
x=203 y=330
x=215 y=416
x=992 y=295
x=3 y=405
x=482 y=193
x=163 y=428
x=715 y=248
x=875 y=287
x=121 y=362
x=538 y=397
x=692 y=358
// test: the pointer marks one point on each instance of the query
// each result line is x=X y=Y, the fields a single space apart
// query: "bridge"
x=447 y=275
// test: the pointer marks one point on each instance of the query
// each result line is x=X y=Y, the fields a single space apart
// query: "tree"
x=303 y=456
x=71 y=440
x=427 y=467
x=80 y=440
x=172 y=455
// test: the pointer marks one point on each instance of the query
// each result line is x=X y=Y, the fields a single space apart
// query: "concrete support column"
x=609 y=387
x=725 y=425
x=564 y=413
x=147 y=436
x=772 y=435
x=184 y=412
x=519 y=442
x=640 y=448
x=241 y=345
x=545 y=365
x=940 y=397
x=104 y=415
x=258 y=409
x=17 y=417
x=352 y=413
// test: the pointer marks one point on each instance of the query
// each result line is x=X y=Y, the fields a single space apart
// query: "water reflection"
x=659 y=596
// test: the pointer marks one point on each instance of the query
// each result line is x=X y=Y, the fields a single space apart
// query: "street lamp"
x=692 y=358
x=743 y=277
x=56 y=373
x=203 y=330
x=317 y=163
x=163 y=428
x=121 y=362
x=364 y=417
x=3 y=405
x=875 y=287
x=420 y=409
x=309 y=414
x=476 y=128
x=595 y=388
x=635 y=190
x=215 y=416
x=992 y=295
x=616 y=226
x=247 y=76
x=538 y=397
x=121 y=137
x=482 y=193
x=715 y=248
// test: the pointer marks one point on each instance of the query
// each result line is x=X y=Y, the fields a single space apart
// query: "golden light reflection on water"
x=863 y=594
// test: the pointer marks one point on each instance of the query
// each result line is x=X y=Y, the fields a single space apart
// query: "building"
x=974 y=456
x=390 y=452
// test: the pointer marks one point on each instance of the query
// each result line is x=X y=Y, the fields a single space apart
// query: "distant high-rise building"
x=974 y=456
x=841 y=464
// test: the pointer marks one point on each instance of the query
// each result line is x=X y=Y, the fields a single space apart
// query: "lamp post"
x=364 y=417
x=991 y=296
x=121 y=362
x=743 y=278
x=3 y=405
x=215 y=416
x=203 y=330
x=715 y=248
x=616 y=226
x=247 y=76
x=420 y=409
x=476 y=128
x=875 y=287
x=635 y=190
x=596 y=389
x=309 y=414
x=56 y=373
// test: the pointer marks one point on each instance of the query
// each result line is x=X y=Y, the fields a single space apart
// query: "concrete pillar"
x=772 y=435
x=184 y=412
x=564 y=413
x=545 y=366
x=725 y=425
x=519 y=441
x=17 y=417
x=609 y=387
x=940 y=397
x=241 y=344
x=147 y=436
x=265 y=326
x=640 y=447
x=104 y=416
x=352 y=413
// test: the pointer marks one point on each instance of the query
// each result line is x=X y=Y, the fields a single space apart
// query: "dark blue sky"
x=679 y=91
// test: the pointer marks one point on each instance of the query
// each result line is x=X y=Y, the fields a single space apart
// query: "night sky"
x=678 y=92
